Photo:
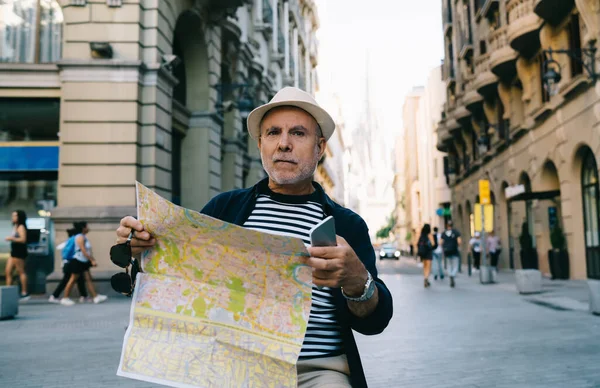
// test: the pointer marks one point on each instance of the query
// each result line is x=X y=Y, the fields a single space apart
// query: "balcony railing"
x=518 y=9
x=482 y=64
x=502 y=56
x=523 y=26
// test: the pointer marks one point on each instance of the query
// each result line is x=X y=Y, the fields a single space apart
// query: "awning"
x=531 y=195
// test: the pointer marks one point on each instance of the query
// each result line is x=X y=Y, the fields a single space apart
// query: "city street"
x=471 y=336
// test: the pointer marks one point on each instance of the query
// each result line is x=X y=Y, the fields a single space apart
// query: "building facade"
x=96 y=94
x=526 y=119
x=421 y=188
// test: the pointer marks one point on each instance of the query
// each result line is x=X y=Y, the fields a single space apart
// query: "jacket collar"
x=324 y=200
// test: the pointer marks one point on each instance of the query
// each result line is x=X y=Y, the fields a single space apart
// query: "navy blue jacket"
x=235 y=207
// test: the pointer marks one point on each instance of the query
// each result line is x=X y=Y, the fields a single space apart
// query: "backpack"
x=424 y=247
x=450 y=243
x=435 y=241
x=69 y=249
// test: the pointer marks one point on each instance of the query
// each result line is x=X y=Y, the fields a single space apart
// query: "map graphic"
x=217 y=305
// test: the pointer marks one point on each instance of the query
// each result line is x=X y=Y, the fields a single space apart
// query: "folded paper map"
x=217 y=305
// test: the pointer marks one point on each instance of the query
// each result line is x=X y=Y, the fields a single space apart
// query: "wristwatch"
x=367 y=294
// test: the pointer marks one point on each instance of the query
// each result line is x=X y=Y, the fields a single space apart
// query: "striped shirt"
x=294 y=216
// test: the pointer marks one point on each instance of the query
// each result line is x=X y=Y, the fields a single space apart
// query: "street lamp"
x=552 y=76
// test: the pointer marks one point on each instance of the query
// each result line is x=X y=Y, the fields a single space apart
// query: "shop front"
x=28 y=178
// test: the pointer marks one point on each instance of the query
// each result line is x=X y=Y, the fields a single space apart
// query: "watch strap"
x=367 y=293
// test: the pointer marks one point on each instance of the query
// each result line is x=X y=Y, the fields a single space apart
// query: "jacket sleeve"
x=378 y=320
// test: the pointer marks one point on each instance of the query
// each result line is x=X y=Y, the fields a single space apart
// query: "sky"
x=403 y=42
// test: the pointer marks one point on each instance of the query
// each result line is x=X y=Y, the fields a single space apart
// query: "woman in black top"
x=425 y=251
x=18 y=251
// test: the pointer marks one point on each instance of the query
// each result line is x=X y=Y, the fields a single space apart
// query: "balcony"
x=502 y=57
x=465 y=43
x=553 y=11
x=471 y=99
x=523 y=27
x=485 y=82
x=444 y=137
x=461 y=115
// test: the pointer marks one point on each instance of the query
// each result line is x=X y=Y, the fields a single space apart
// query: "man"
x=438 y=268
x=292 y=132
x=451 y=242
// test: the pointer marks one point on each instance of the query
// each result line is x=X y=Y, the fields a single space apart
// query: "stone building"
x=422 y=193
x=96 y=94
x=526 y=119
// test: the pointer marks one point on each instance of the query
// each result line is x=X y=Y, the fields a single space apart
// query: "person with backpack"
x=67 y=253
x=79 y=266
x=451 y=242
x=424 y=251
x=437 y=267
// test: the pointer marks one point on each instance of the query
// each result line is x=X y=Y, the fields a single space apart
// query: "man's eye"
x=270 y=133
x=299 y=133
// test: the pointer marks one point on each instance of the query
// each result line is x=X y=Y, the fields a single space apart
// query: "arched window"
x=30 y=31
x=589 y=189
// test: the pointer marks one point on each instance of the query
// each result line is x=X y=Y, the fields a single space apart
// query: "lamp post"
x=552 y=73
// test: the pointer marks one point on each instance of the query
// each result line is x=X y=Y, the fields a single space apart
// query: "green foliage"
x=557 y=238
x=385 y=231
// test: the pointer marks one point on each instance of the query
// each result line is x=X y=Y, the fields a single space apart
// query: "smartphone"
x=323 y=234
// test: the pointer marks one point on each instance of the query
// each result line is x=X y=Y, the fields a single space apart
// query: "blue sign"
x=28 y=158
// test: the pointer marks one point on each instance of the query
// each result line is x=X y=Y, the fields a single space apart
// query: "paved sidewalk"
x=471 y=336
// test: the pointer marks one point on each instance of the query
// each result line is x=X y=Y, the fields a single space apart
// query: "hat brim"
x=319 y=114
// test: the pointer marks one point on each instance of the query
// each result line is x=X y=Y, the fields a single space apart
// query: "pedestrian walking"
x=68 y=252
x=291 y=133
x=82 y=261
x=436 y=264
x=494 y=247
x=451 y=241
x=475 y=247
x=425 y=251
x=18 y=252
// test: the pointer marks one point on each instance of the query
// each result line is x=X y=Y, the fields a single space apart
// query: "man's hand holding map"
x=217 y=305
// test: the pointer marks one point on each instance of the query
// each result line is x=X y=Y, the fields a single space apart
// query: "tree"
x=385 y=231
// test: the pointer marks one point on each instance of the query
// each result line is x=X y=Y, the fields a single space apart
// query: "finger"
x=323 y=264
x=131 y=223
x=324 y=282
x=143 y=243
x=326 y=275
x=325 y=252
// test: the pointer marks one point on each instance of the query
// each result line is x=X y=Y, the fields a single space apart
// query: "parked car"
x=389 y=250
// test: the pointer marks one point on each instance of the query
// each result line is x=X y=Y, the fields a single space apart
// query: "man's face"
x=289 y=145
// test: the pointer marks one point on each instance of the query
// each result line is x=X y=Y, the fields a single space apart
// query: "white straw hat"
x=290 y=96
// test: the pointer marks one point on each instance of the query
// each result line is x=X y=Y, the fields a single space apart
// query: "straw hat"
x=290 y=96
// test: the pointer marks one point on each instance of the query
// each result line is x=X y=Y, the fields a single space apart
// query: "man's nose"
x=284 y=142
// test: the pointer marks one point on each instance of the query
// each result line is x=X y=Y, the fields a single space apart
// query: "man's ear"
x=322 y=144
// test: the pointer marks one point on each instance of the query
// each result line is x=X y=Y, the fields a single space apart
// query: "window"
x=30 y=31
x=590 y=192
